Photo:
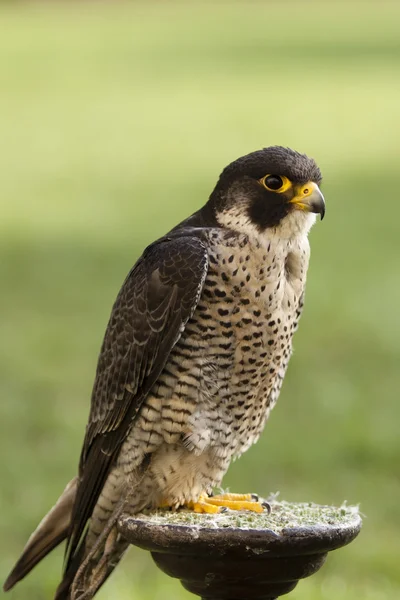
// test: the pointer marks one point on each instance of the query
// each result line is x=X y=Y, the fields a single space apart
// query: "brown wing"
x=155 y=302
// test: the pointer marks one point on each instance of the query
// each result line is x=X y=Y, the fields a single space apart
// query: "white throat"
x=295 y=225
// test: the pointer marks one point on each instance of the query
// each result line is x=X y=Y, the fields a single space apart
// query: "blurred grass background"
x=115 y=121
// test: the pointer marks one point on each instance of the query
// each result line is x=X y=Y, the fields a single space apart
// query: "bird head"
x=274 y=187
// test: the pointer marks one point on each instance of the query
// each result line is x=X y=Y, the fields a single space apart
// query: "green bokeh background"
x=115 y=121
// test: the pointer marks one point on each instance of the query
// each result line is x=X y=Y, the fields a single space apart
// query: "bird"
x=192 y=363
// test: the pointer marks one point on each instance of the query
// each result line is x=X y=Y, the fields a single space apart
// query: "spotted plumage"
x=192 y=362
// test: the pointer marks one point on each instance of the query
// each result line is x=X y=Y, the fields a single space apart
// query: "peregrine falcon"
x=191 y=365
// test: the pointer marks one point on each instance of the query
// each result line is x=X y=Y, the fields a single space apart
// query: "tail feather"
x=63 y=591
x=91 y=580
x=52 y=530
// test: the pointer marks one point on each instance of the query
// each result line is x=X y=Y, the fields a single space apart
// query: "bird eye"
x=273 y=182
x=276 y=183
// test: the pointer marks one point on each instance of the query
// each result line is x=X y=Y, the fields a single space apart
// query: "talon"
x=267 y=506
x=221 y=503
x=237 y=504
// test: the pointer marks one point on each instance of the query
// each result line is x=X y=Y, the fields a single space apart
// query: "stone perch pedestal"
x=243 y=556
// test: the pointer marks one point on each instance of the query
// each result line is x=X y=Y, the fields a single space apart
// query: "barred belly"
x=224 y=375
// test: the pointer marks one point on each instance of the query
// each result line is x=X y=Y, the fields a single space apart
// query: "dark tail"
x=52 y=530
x=93 y=563
x=64 y=589
x=88 y=589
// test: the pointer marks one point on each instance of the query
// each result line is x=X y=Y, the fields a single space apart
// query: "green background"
x=115 y=121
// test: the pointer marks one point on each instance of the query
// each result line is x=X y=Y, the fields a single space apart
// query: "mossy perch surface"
x=283 y=516
x=242 y=554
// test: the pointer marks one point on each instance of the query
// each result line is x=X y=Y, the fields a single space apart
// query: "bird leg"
x=99 y=572
x=214 y=504
x=90 y=584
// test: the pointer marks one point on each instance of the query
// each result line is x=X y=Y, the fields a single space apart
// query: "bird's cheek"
x=265 y=215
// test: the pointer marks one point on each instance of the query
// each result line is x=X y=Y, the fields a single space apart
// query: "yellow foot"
x=203 y=505
x=214 y=504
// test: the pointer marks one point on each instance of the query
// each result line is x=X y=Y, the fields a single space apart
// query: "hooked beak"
x=308 y=197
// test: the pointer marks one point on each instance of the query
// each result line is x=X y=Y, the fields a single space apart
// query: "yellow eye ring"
x=275 y=183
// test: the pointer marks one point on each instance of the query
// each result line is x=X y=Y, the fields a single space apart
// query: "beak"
x=308 y=197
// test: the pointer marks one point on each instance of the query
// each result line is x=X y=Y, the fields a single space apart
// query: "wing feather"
x=156 y=300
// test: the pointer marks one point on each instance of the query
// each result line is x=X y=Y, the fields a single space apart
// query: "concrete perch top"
x=289 y=525
x=243 y=555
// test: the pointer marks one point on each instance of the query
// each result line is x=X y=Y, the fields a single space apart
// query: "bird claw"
x=267 y=506
x=223 y=502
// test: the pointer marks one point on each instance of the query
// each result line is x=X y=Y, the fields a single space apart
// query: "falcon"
x=191 y=365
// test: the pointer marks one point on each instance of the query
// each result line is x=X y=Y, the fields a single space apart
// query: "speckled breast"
x=224 y=374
